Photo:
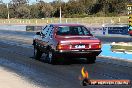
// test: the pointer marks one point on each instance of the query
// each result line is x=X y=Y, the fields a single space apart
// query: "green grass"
x=115 y=47
x=86 y=20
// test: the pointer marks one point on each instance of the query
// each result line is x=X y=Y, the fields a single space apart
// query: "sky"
x=31 y=1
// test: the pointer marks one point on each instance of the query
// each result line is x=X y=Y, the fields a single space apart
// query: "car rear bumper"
x=77 y=53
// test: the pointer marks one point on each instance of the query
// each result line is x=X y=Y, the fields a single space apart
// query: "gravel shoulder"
x=12 y=80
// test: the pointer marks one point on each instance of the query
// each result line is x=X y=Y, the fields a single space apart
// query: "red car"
x=67 y=41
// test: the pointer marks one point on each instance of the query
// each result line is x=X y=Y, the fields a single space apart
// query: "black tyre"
x=46 y=58
x=50 y=58
x=91 y=60
x=37 y=54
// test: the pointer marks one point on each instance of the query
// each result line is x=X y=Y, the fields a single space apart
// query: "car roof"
x=71 y=24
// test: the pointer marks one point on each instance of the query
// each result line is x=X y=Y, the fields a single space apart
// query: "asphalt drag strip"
x=18 y=59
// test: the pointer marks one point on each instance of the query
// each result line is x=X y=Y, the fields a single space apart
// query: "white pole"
x=8 y=11
x=60 y=11
x=60 y=14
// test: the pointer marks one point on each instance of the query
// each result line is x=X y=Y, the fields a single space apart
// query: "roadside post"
x=129 y=8
x=104 y=29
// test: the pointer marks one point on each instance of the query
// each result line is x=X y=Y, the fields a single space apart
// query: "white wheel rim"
x=50 y=56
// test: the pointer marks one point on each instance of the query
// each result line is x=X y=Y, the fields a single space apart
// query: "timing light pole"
x=8 y=11
x=60 y=12
x=60 y=15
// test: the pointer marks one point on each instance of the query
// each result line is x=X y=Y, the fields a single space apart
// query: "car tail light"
x=100 y=46
x=63 y=47
x=96 y=46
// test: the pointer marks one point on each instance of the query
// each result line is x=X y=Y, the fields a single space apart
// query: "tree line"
x=72 y=8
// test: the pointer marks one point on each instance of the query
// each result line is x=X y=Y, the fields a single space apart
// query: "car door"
x=45 y=38
x=50 y=36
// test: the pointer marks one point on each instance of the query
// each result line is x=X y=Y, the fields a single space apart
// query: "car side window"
x=80 y=31
x=86 y=31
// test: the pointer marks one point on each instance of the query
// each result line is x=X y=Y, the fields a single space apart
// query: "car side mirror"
x=38 y=33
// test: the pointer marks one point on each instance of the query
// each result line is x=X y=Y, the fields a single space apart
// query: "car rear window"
x=72 y=30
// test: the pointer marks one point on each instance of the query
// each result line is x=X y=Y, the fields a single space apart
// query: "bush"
x=75 y=15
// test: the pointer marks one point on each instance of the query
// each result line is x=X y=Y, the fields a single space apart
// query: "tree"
x=23 y=12
x=34 y=11
x=45 y=9
x=19 y=2
x=3 y=11
x=16 y=5
x=74 y=7
x=56 y=5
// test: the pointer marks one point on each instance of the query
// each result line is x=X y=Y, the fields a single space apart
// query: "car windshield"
x=72 y=30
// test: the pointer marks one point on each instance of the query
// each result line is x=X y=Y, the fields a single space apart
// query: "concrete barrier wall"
x=34 y=28
x=13 y=27
x=20 y=28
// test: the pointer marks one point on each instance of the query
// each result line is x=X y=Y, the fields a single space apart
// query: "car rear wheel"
x=91 y=60
x=37 y=54
x=50 y=57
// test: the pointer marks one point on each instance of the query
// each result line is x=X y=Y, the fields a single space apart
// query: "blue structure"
x=117 y=29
